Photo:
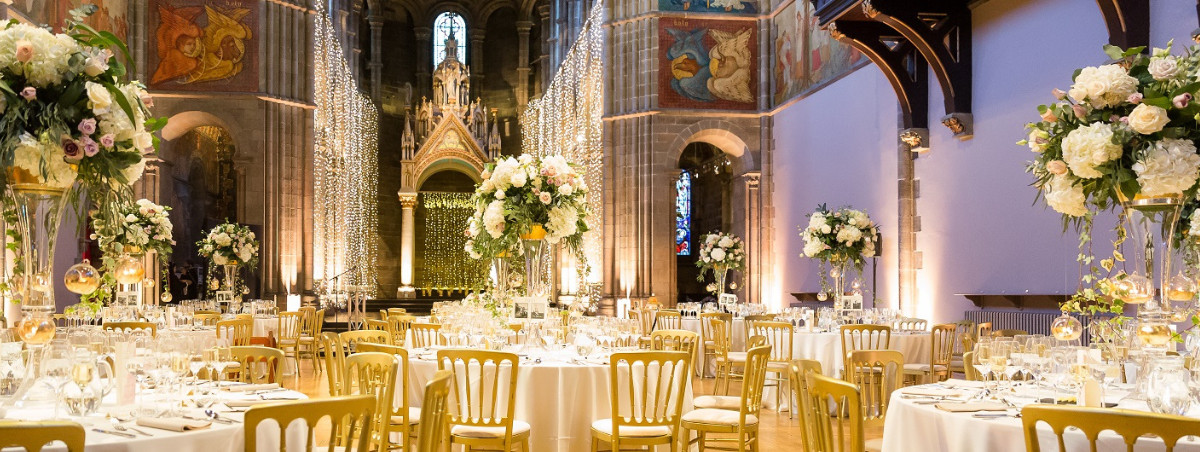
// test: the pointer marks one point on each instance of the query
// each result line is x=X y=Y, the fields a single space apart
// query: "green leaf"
x=1113 y=52
x=116 y=42
x=72 y=94
x=119 y=97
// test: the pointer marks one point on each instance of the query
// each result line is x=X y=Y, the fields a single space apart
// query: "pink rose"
x=87 y=126
x=90 y=148
x=1048 y=116
x=544 y=198
x=1057 y=167
x=1080 y=111
x=1135 y=98
x=1059 y=94
x=1182 y=100
x=148 y=100
x=108 y=140
x=29 y=93
x=24 y=51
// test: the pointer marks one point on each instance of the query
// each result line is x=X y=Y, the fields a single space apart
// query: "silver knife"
x=114 y=433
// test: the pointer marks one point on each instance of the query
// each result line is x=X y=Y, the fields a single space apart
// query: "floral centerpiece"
x=522 y=204
x=841 y=238
x=231 y=246
x=69 y=117
x=143 y=227
x=719 y=252
x=1124 y=134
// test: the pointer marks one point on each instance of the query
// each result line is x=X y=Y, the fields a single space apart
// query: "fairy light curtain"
x=446 y=265
x=345 y=221
x=567 y=120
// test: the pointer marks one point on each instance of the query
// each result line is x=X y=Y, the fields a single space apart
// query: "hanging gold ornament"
x=129 y=270
x=82 y=278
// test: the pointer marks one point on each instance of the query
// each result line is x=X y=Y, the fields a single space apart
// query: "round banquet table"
x=558 y=398
x=916 y=423
x=265 y=326
x=218 y=437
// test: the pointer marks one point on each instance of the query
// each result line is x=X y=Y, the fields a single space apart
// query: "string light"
x=446 y=265
x=346 y=176
x=568 y=120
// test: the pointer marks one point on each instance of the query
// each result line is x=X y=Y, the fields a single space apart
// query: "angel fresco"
x=689 y=64
x=729 y=64
x=199 y=42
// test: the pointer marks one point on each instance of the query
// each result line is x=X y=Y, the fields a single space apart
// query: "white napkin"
x=254 y=387
x=971 y=407
x=172 y=423
x=931 y=392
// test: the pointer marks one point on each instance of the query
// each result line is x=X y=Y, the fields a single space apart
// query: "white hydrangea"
x=1195 y=223
x=812 y=246
x=493 y=219
x=31 y=154
x=849 y=234
x=718 y=254
x=725 y=242
x=1103 y=86
x=1169 y=166
x=816 y=221
x=562 y=222
x=1087 y=147
x=51 y=60
x=1065 y=197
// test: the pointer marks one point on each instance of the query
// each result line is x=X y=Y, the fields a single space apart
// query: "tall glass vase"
x=837 y=272
x=39 y=213
x=537 y=253
x=721 y=275
x=1151 y=224
x=231 y=275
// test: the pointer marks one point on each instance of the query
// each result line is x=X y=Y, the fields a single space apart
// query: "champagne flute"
x=982 y=354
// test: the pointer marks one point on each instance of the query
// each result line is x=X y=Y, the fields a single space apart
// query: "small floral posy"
x=719 y=252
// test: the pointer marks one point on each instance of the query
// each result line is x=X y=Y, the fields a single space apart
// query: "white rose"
x=143 y=140
x=518 y=179
x=131 y=218
x=500 y=194
x=1089 y=146
x=219 y=259
x=1169 y=166
x=95 y=65
x=825 y=229
x=566 y=190
x=718 y=255
x=1103 y=86
x=849 y=234
x=1147 y=119
x=99 y=99
x=725 y=242
x=1065 y=197
x=1162 y=68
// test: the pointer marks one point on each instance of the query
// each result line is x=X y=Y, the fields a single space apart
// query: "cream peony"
x=1103 y=86
x=1147 y=119
x=725 y=242
x=1087 y=147
x=849 y=234
x=493 y=219
x=813 y=247
x=1169 y=166
x=1065 y=197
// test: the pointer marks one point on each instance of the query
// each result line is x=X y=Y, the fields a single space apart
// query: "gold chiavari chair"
x=796 y=372
x=132 y=326
x=350 y=419
x=434 y=409
x=725 y=359
x=482 y=379
x=351 y=339
x=398 y=326
x=374 y=374
x=749 y=321
x=335 y=362
x=34 y=435
x=236 y=331
x=779 y=336
x=865 y=337
x=291 y=325
x=1130 y=425
x=309 y=343
x=984 y=329
x=244 y=316
x=404 y=418
x=941 y=347
x=645 y=318
x=668 y=319
x=962 y=330
x=1008 y=333
x=706 y=334
x=675 y=340
x=425 y=335
x=969 y=371
x=743 y=421
x=206 y=319
x=205 y=312
x=396 y=311
x=258 y=364
x=377 y=325
x=877 y=373
x=646 y=398
x=835 y=415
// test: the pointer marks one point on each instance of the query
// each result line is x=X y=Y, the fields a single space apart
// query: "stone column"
x=476 y=36
x=376 y=56
x=751 y=287
x=548 y=43
x=408 y=200
x=908 y=258
x=424 y=64
x=522 y=94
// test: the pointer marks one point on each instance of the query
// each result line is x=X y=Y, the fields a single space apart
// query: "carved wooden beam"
x=1128 y=22
x=899 y=61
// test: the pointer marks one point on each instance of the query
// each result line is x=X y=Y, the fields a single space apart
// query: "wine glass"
x=998 y=359
x=981 y=360
x=56 y=369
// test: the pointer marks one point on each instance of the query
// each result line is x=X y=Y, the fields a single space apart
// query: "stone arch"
x=449 y=164
x=432 y=12
x=485 y=13
x=725 y=135
x=182 y=123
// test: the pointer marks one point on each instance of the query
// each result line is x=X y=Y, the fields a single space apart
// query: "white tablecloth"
x=265 y=326
x=560 y=400
x=923 y=427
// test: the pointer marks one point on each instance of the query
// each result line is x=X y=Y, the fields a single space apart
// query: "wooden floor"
x=776 y=430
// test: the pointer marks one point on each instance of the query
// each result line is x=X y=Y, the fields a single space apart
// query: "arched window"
x=683 y=214
x=449 y=25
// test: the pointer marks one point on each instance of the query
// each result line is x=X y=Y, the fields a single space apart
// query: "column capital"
x=753 y=178
x=477 y=35
x=423 y=33
x=544 y=11
x=523 y=26
x=408 y=200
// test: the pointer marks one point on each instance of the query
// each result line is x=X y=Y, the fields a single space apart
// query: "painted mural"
x=111 y=15
x=710 y=6
x=806 y=57
x=707 y=64
x=204 y=45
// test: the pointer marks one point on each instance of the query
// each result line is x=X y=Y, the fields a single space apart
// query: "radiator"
x=1033 y=322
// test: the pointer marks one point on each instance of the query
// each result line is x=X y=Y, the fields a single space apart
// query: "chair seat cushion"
x=873 y=445
x=718 y=402
x=472 y=431
x=775 y=366
x=714 y=416
x=414 y=416
x=923 y=367
x=605 y=426
x=736 y=357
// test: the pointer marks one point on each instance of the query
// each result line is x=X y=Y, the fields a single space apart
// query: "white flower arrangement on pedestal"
x=144 y=226
x=841 y=238
x=230 y=244
x=525 y=195
x=719 y=252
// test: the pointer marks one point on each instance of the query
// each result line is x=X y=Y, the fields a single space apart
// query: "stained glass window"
x=447 y=25
x=683 y=214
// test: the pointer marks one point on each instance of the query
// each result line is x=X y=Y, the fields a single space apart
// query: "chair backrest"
x=706 y=333
x=335 y=362
x=668 y=319
x=484 y=388
x=749 y=321
x=1129 y=424
x=647 y=389
x=434 y=408
x=396 y=311
x=291 y=324
x=350 y=339
x=983 y=329
x=971 y=374
x=760 y=317
x=350 y=417
x=1008 y=333
x=754 y=377
x=132 y=326
x=797 y=369
x=33 y=435
x=258 y=364
x=206 y=319
x=244 y=316
x=675 y=340
x=425 y=335
x=720 y=336
x=398 y=326
x=910 y=324
x=876 y=373
x=318 y=323
x=374 y=374
x=962 y=329
x=835 y=414
x=310 y=314
x=378 y=325
x=399 y=407
x=237 y=331
x=205 y=312
x=778 y=335
x=645 y=318
x=865 y=337
x=756 y=341
x=941 y=349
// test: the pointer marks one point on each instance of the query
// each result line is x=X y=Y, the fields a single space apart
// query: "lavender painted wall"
x=980 y=231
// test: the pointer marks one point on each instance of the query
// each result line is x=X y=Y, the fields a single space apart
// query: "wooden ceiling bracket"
x=904 y=69
x=1128 y=22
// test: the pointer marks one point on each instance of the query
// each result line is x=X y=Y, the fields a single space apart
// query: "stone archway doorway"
x=703 y=204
